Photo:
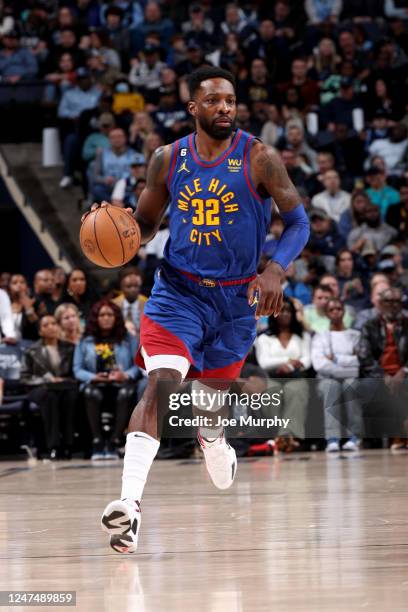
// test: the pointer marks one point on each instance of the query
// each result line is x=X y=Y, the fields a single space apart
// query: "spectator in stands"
x=335 y=360
x=22 y=306
x=354 y=215
x=367 y=314
x=378 y=127
x=340 y=109
x=306 y=87
x=139 y=129
x=333 y=200
x=171 y=117
x=315 y=316
x=324 y=236
x=62 y=79
x=67 y=43
x=152 y=142
x=347 y=148
x=325 y=60
x=271 y=129
x=8 y=334
x=16 y=63
x=295 y=138
x=131 y=301
x=235 y=19
x=293 y=166
x=397 y=215
x=99 y=40
x=373 y=230
x=153 y=22
x=284 y=352
x=393 y=148
x=383 y=355
x=112 y=164
x=73 y=102
x=44 y=286
x=47 y=370
x=352 y=288
x=102 y=74
x=271 y=47
x=351 y=52
x=79 y=292
x=104 y=365
x=68 y=318
x=319 y=13
x=258 y=87
x=119 y=35
x=127 y=191
x=293 y=288
x=328 y=280
x=199 y=27
x=379 y=192
x=100 y=139
x=325 y=161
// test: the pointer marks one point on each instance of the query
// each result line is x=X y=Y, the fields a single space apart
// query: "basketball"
x=110 y=237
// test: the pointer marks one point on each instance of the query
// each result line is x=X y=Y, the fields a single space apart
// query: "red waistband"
x=215 y=282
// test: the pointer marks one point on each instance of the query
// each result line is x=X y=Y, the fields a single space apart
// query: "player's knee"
x=164 y=374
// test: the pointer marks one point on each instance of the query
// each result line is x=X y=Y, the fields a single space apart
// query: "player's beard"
x=218 y=132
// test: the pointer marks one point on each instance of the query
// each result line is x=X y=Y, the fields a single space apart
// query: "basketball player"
x=201 y=316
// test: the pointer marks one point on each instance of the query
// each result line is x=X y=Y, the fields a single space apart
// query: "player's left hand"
x=104 y=204
x=266 y=291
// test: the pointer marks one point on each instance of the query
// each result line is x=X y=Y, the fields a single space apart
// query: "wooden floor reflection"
x=306 y=532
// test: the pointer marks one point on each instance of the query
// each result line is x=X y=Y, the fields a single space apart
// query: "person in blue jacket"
x=104 y=365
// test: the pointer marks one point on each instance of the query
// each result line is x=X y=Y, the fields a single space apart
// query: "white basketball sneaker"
x=121 y=519
x=221 y=461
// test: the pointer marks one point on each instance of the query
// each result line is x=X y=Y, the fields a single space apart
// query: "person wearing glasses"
x=383 y=356
x=334 y=357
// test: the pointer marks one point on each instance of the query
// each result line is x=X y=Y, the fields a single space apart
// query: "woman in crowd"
x=47 y=371
x=283 y=350
x=79 y=293
x=99 y=40
x=62 y=79
x=334 y=357
x=24 y=316
x=104 y=364
x=352 y=290
x=68 y=319
x=326 y=60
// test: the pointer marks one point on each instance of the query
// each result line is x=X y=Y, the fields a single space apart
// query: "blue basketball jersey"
x=218 y=221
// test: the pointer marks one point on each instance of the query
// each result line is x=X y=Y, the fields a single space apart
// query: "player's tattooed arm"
x=271 y=178
x=153 y=200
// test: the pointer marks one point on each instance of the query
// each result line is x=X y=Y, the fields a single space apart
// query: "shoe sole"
x=117 y=523
x=233 y=474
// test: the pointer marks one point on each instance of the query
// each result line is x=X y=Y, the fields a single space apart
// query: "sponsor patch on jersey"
x=234 y=165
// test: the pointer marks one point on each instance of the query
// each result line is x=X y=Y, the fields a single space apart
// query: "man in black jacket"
x=383 y=356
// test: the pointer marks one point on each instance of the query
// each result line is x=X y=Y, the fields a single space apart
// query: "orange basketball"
x=110 y=237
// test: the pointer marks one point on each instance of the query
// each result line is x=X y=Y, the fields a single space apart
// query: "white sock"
x=140 y=451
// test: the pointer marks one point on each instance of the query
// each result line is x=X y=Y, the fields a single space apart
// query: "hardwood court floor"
x=307 y=532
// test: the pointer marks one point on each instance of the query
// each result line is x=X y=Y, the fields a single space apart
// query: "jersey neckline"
x=220 y=158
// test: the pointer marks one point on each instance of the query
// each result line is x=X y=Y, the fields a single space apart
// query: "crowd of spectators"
x=325 y=83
